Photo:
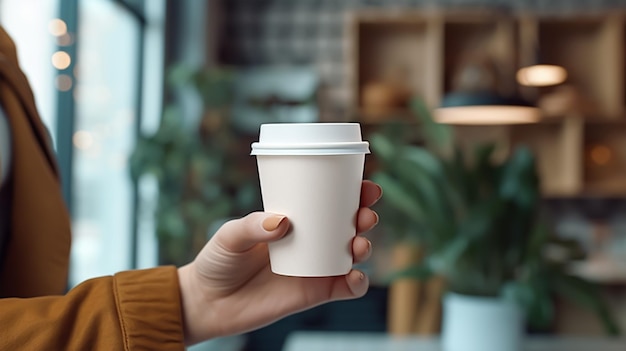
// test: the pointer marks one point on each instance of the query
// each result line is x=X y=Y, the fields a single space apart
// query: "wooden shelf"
x=433 y=47
x=604 y=155
x=589 y=49
x=365 y=116
x=468 y=40
x=389 y=50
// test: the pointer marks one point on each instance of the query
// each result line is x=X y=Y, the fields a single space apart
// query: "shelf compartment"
x=604 y=165
x=398 y=49
x=489 y=45
x=590 y=50
x=557 y=148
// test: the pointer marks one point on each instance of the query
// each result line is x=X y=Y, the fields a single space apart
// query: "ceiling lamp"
x=484 y=108
x=541 y=75
x=540 y=72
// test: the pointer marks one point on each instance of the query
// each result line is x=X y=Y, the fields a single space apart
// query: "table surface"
x=336 y=341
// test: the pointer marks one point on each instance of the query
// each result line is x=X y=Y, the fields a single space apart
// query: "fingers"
x=241 y=234
x=361 y=249
x=366 y=219
x=350 y=286
x=370 y=193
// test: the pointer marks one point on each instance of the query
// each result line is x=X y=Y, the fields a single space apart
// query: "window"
x=35 y=45
x=110 y=98
x=96 y=69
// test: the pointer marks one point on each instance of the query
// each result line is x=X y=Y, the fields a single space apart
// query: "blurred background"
x=152 y=106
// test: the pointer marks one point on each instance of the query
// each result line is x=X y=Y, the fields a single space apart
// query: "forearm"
x=133 y=310
x=67 y=322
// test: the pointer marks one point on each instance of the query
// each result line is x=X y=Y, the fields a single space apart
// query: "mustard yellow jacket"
x=132 y=310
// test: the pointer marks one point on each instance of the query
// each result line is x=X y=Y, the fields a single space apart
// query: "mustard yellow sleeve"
x=132 y=310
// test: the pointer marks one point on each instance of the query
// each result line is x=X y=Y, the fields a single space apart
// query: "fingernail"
x=272 y=222
x=380 y=192
x=369 y=246
x=361 y=276
x=377 y=217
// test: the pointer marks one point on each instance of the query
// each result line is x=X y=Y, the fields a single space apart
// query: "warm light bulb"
x=64 y=40
x=57 y=27
x=61 y=60
x=63 y=82
x=488 y=114
x=541 y=75
x=601 y=155
x=83 y=140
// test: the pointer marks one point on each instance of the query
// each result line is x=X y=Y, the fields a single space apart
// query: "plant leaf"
x=396 y=195
x=585 y=294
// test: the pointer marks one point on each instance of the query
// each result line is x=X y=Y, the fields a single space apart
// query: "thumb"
x=242 y=234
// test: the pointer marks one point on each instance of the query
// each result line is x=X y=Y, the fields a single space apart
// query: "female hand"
x=230 y=289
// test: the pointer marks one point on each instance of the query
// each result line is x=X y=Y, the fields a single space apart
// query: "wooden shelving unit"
x=604 y=161
x=581 y=144
x=590 y=49
x=390 y=45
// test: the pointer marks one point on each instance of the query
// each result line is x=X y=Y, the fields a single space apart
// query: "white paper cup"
x=312 y=173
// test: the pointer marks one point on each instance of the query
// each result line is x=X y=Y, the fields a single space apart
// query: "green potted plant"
x=203 y=179
x=478 y=222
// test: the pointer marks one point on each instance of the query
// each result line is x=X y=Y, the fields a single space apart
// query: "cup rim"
x=337 y=148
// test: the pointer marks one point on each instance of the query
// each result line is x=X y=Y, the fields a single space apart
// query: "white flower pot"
x=481 y=324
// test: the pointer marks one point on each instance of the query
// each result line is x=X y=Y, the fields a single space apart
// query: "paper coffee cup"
x=312 y=173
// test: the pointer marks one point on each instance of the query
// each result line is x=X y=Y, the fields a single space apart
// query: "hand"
x=230 y=289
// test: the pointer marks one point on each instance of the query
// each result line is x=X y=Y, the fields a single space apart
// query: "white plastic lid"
x=310 y=139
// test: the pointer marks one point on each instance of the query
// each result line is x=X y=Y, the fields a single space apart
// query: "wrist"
x=194 y=307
